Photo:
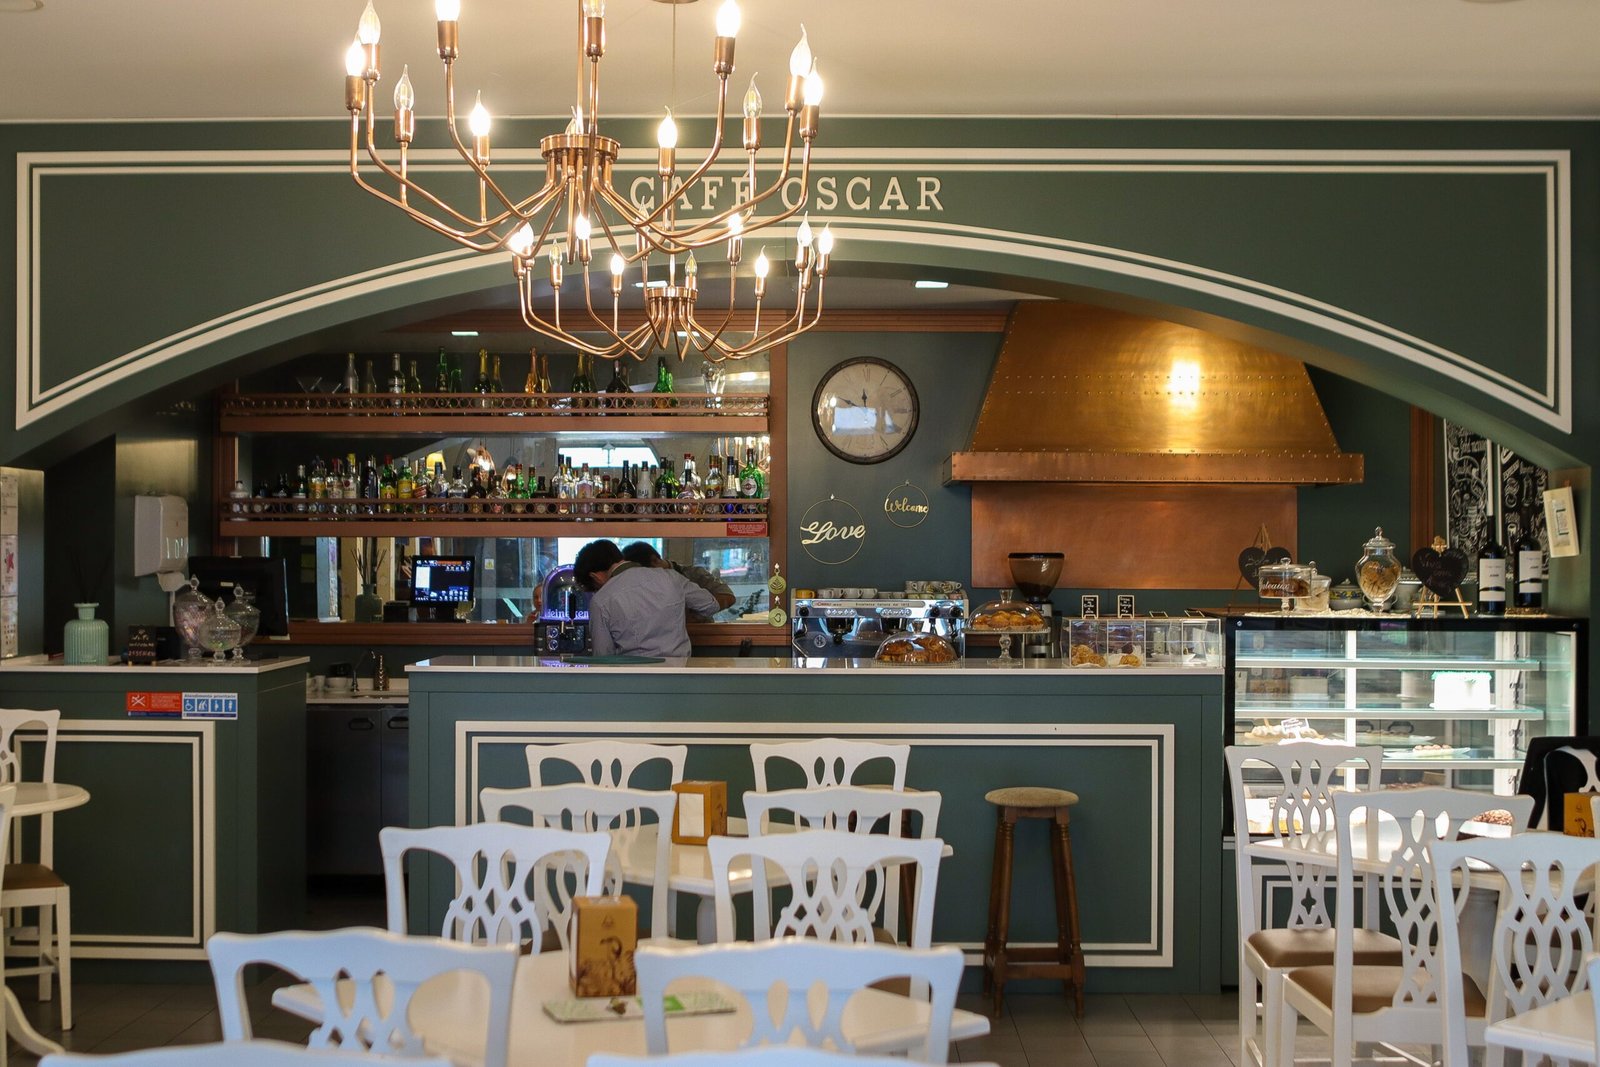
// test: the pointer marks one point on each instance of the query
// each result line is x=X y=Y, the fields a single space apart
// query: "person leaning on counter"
x=644 y=554
x=637 y=611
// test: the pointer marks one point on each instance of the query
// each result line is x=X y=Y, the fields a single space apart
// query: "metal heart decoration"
x=1252 y=559
x=1440 y=572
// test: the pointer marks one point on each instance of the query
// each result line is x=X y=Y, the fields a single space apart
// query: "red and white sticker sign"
x=155 y=705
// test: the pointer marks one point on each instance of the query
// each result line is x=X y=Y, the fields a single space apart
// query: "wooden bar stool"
x=1065 y=960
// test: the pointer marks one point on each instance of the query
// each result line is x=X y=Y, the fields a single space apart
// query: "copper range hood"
x=1151 y=452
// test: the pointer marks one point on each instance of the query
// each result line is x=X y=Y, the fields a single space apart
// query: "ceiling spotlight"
x=927 y=283
x=463 y=333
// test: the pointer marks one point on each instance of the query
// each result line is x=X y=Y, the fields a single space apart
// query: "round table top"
x=39 y=798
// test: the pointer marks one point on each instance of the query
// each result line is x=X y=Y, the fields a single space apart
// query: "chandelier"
x=578 y=212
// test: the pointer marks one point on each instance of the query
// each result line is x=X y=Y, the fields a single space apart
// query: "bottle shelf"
x=397 y=414
x=276 y=517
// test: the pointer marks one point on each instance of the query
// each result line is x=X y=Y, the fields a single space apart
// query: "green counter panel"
x=1141 y=750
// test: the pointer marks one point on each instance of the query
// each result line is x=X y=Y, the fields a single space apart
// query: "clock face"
x=865 y=410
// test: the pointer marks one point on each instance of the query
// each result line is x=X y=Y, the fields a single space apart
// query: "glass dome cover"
x=916 y=648
x=1007 y=615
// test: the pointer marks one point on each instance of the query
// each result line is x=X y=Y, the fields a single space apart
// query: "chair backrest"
x=1301 y=778
x=1542 y=936
x=795 y=966
x=618 y=813
x=845 y=807
x=605 y=763
x=1399 y=830
x=765 y=1056
x=836 y=880
x=357 y=1021
x=255 y=1053
x=14 y=719
x=512 y=882
x=828 y=760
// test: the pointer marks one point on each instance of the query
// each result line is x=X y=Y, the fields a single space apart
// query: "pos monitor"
x=264 y=577
x=440 y=583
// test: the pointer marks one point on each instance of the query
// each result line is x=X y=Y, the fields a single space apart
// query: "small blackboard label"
x=141 y=645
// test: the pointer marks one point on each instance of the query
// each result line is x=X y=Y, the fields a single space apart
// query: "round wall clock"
x=865 y=410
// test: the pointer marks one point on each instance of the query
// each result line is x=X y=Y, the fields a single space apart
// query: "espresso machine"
x=1035 y=575
x=854 y=628
x=563 y=623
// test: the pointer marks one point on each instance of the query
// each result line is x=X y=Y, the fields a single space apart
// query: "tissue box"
x=605 y=931
x=702 y=812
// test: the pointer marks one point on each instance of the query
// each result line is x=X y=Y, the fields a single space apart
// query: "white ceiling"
x=94 y=59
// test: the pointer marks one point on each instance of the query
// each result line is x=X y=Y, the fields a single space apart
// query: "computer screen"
x=441 y=579
x=265 y=577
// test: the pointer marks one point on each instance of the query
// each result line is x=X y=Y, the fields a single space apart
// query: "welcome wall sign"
x=906 y=505
x=832 y=531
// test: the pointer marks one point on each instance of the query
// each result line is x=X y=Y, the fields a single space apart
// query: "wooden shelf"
x=489 y=634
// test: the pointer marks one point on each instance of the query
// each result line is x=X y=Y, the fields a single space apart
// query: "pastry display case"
x=1142 y=642
x=1453 y=702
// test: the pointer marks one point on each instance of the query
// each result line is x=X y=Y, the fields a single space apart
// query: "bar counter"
x=1141 y=748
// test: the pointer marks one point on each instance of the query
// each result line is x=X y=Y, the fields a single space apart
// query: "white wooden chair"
x=1297 y=782
x=1400 y=1003
x=513 y=883
x=605 y=763
x=828 y=760
x=36 y=885
x=1542 y=936
x=765 y=1056
x=618 y=813
x=1563 y=1030
x=254 y=1053
x=8 y=799
x=368 y=1014
x=836 y=879
x=796 y=965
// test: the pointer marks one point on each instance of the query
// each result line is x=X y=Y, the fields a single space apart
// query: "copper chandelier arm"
x=588 y=300
x=464 y=236
x=481 y=171
x=705 y=164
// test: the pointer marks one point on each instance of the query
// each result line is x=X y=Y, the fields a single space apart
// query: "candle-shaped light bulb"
x=667 y=132
x=800 y=58
x=355 y=59
x=405 y=97
x=368 y=29
x=735 y=226
x=521 y=241
x=555 y=253
x=575 y=124
x=479 y=120
x=825 y=241
x=594 y=9
x=803 y=234
x=813 y=91
x=447 y=10
x=691 y=267
x=752 y=100
x=728 y=19
x=762 y=266
x=618 y=264
x=581 y=228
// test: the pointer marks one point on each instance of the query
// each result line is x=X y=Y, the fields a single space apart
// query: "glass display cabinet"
x=1453 y=702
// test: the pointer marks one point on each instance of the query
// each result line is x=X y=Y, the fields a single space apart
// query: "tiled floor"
x=1036 y=1031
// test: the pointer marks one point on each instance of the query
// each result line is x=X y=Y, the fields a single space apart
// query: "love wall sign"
x=832 y=531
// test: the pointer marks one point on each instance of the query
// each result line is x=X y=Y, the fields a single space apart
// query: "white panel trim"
x=1551 y=406
x=471 y=736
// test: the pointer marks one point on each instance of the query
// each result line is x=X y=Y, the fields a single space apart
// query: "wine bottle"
x=1492 y=579
x=397 y=378
x=753 y=485
x=482 y=384
x=413 y=382
x=441 y=382
x=664 y=384
x=1530 y=571
x=369 y=383
x=619 y=383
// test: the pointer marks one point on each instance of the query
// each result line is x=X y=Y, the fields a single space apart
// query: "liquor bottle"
x=647 y=482
x=519 y=493
x=689 y=481
x=441 y=381
x=482 y=384
x=713 y=480
x=455 y=375
x=318 y=486
x=626 y=490
x=404 y=485
x=440 y=487
x=238 y=495
x=730 y=478
x=352 y=381
x=371 y=485
x=457 y=493
x=606 y=498
x=1530 y=571
x=413 y=383
x=280 y=496
x=667 y=485
x=496 y=494
x=369 y=383
x=586 y=490
x=752 y=482
x=397 y=378
x=663 y=384
x=580 y=383
x=530 y=384
x=333 y=491
x=386 y=491
x=1492 y=579
x=619 y=384
x=476 y=492
x=494 y=377
x=300 y=488
x=352 y=483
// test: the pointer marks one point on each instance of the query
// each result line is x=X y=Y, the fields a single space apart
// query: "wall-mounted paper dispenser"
x=160 y=534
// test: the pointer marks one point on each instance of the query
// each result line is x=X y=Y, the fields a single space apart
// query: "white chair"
x=796 y=965
x=766 y=1056
x=36 y=885
x=380 y=970
x=836 y=879
x=828 y=760
x=254 y=1053
x=605 y=763
x=618 y=813
x=513 y=883
x=1563 y=1030
x=1542 y=936
x=1398 y=1003
x=1298 y=782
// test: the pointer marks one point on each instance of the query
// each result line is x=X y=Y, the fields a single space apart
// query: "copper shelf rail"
x=450 y=413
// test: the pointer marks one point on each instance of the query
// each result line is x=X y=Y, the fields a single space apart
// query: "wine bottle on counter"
x=1530 y=572
x=1492 y=579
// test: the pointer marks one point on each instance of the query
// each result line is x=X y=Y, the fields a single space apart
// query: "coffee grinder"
x=1035 y=575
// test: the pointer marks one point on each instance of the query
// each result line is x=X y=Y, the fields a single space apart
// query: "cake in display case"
x=1452 y=702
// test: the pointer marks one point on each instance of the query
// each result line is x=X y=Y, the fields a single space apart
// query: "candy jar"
x=189 y=609
x=244 y=612
x=219 y=634
x=1378 y=571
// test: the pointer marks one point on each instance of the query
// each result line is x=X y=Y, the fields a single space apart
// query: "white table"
x=1564 y=1030
x=38 y=798
x=448 y=1013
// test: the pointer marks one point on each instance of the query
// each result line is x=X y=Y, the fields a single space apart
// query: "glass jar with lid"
x=1284 y=582
x=219 y=634
x=1378 y=570
x=244 y=612
x=189 y=609
x=1006 y=617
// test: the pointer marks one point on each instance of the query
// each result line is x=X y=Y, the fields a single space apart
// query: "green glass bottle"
x=664 y=383
x=441 y=382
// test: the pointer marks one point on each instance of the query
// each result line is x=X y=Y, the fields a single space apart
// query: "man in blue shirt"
x=634 y=610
